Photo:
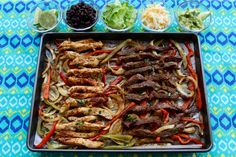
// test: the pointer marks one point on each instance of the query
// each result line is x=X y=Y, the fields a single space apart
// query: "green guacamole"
x=193 y=18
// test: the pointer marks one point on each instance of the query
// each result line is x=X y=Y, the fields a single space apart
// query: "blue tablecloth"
x=18 y=60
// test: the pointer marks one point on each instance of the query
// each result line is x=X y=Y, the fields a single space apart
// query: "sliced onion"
x=53 y=93
x=165 y=127
x=63 y=91
x=116 y=127
x=47 y=68
x=181 y=52
x=184 y=91
x=189 y=130
x=65 y=65
x=120 y=71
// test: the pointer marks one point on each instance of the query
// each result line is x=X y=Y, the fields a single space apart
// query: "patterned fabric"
x=18 y=60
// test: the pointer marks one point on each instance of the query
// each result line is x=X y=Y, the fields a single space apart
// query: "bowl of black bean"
x=80 y=16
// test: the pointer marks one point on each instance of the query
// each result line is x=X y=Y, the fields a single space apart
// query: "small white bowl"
x=145 y=5
x=113 y=29
x=44 y=6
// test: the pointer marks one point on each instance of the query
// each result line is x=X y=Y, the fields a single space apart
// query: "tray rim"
x=164 y=150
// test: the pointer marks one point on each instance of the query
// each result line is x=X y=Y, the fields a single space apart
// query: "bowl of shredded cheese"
x=156 y=17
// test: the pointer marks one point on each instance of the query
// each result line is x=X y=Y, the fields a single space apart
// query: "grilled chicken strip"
x=84 y=81
x=84 y=119
x=80 y=142
x=85 y=61
x=85 y=89
x=70 y=55
x=91 y=111
x=85 y=72
x=84 y=95
x=76 y=134
x=79 y=125
x=80 y=46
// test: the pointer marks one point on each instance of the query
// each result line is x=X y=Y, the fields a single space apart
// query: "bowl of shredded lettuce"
x=119 y=16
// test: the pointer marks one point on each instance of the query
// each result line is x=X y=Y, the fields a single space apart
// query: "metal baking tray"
x=193 y=38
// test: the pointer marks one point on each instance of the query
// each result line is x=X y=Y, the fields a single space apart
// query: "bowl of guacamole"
x=193 y=16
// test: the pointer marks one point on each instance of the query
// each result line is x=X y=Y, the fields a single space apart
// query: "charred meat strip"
x=85 y=89
x=90 y=111
x=134 y=79
x=85 y=61
x=83 y=95
x=84 y=81
x=136 y=97
x=84 y=72
x=79 y=125
x=158 y=95
x=80 y=46
x=68 y=133
x=137 y=57
x=80 y=142
x=144 y=85
x=156 y=120
x=139 y=70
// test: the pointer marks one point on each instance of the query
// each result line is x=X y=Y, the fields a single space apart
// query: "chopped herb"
x=80 y=123
x=130 y=118
x=100 y=112
x=90 y=110
x=81 y=102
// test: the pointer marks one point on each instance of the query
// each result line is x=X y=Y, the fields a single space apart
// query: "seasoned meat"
x=80 y=46
x=156 y=120
x=136 y=97
x=172 y=59
x=139 y=70
x=68 y=133
x=170 y=132
x=85 y=89
x=80 y=142
x=157 y=77
x=134 y=79
x=84 y=81
x=137 y=57
x=152 y=108
x=91 y=111
x=170 y=65
x=151 y=47
x=70 y=55
x=84 y=72
x=141 y=133
x=144 y=85
x=79 y=125
x=83 y=95
x=84 y=119
x=157 y=95
x=85 y=61
x=139 y=64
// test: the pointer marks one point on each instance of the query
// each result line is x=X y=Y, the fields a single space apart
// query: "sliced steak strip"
x=144 y=85
x=134 y=79
x=138 y=70
x=172 y=59
x=136 y=97
x=157 y=95
x=138 y=57
x=154 y=120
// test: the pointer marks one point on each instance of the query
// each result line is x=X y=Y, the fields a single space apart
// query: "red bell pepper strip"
x=165 y=115
x=193 y=121
x=41 y=109
x=193 y=73
x=186 y=139
x=47 y=137
x=113 y=83
x=144 y=104
x=104 y=78
x=131 y=105
x=116 y=81
x=158 y=139
x=63 y=77
x=186 y=104
x=47 y=86
x=111 y=92
x=98 y=52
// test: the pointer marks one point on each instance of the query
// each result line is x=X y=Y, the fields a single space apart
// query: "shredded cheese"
x=156 y=17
